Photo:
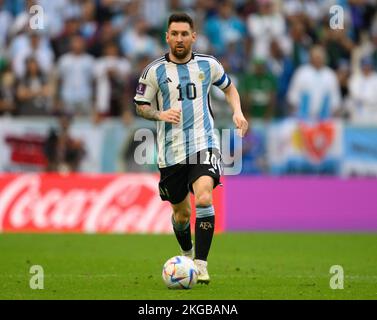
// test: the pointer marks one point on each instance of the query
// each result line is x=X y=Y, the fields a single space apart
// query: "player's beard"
x=181 y=54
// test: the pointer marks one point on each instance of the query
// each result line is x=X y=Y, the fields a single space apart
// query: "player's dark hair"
x=181 y=17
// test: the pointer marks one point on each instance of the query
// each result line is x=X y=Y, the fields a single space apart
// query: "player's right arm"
x=147 y=112
x=146 y=92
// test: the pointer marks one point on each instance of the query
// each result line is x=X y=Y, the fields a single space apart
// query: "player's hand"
x=240 y=123
x=172 y=115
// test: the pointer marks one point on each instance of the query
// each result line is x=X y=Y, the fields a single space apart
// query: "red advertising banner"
x=88 y=203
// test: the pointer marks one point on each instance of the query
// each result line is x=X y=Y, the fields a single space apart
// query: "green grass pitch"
x=241 y=265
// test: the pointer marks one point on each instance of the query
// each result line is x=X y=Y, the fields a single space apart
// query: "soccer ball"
x=180 y=273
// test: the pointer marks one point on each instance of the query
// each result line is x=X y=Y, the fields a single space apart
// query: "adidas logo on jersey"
x=167 y=80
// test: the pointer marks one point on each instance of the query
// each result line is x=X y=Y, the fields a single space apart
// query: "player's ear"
x=193 y=36
x=166 y=36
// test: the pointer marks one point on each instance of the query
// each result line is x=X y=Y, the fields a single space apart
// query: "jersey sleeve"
x=219 y=77
x=146 y=89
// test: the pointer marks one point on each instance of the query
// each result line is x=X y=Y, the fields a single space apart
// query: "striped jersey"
x=165 y=84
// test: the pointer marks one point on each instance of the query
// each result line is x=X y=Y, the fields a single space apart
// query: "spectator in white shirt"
x=111 y=73
x=265 y=26
x=75 y=72
x=314 y=92
x=35 y=46
x=136 y=41
x=54 y=15
x=363 y=93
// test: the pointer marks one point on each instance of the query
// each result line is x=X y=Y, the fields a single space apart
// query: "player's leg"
x=204 y=224
x=181 y=226
x=174 y=188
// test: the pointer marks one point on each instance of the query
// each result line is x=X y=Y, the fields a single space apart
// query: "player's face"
x=180 y=38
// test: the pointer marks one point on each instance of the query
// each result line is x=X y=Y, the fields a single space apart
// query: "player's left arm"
x=221 y=80
x=233 y=99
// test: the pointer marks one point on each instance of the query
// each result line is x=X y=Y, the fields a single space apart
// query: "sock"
x=183 y=234
x=204 y=228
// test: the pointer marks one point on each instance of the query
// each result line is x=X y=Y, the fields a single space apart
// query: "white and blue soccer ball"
x=180 y=272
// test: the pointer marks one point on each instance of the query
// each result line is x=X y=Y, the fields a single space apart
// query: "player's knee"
x=203 y=199
x=182 y=216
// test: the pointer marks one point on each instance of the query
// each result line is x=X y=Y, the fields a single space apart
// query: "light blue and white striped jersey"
x=165 y=84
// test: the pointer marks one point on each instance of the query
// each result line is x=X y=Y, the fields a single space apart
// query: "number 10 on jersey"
x=190 y=91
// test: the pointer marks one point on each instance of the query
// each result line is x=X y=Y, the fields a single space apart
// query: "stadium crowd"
x=286 y=57
x=87 y=57
x=283 y=55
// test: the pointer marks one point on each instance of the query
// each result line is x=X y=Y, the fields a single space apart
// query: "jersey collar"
x=168 y=59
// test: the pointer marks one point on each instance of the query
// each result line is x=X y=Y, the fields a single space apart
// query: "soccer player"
x=174 y=91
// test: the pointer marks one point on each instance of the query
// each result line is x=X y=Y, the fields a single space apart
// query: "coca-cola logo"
x=127 y=203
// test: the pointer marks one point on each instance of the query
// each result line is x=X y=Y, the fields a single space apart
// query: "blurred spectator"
x=61 y=43
x=281 y=66
x=106 y=33
x=54 y=15
x=258 y=89
x=310 y=13
x=155 y=12
x=7 y=105
x=106 y=10
x=363 y=93
x=314 y=92
x=299 y=44
x=338 y=46
x=263 y=26
x=305 y=10
x=225 y=28
x=21 y=19
x=362 y=12
x=111 y=73
x=36 y=48
x=235 y=60
x=73 y=9
x=203 y=10
x=127 y=15
x=63 y=152
x=14 y=6
x=89 y=25
x=370 y=46
x=6 y=21
x=247 y=8
x=136 y=41
x=33 y=91
x=76 y=77
x=343 y=73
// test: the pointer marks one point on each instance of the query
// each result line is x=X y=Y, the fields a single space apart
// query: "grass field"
x=241 y=265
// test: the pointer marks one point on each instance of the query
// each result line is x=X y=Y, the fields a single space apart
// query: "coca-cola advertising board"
x=88 y=203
